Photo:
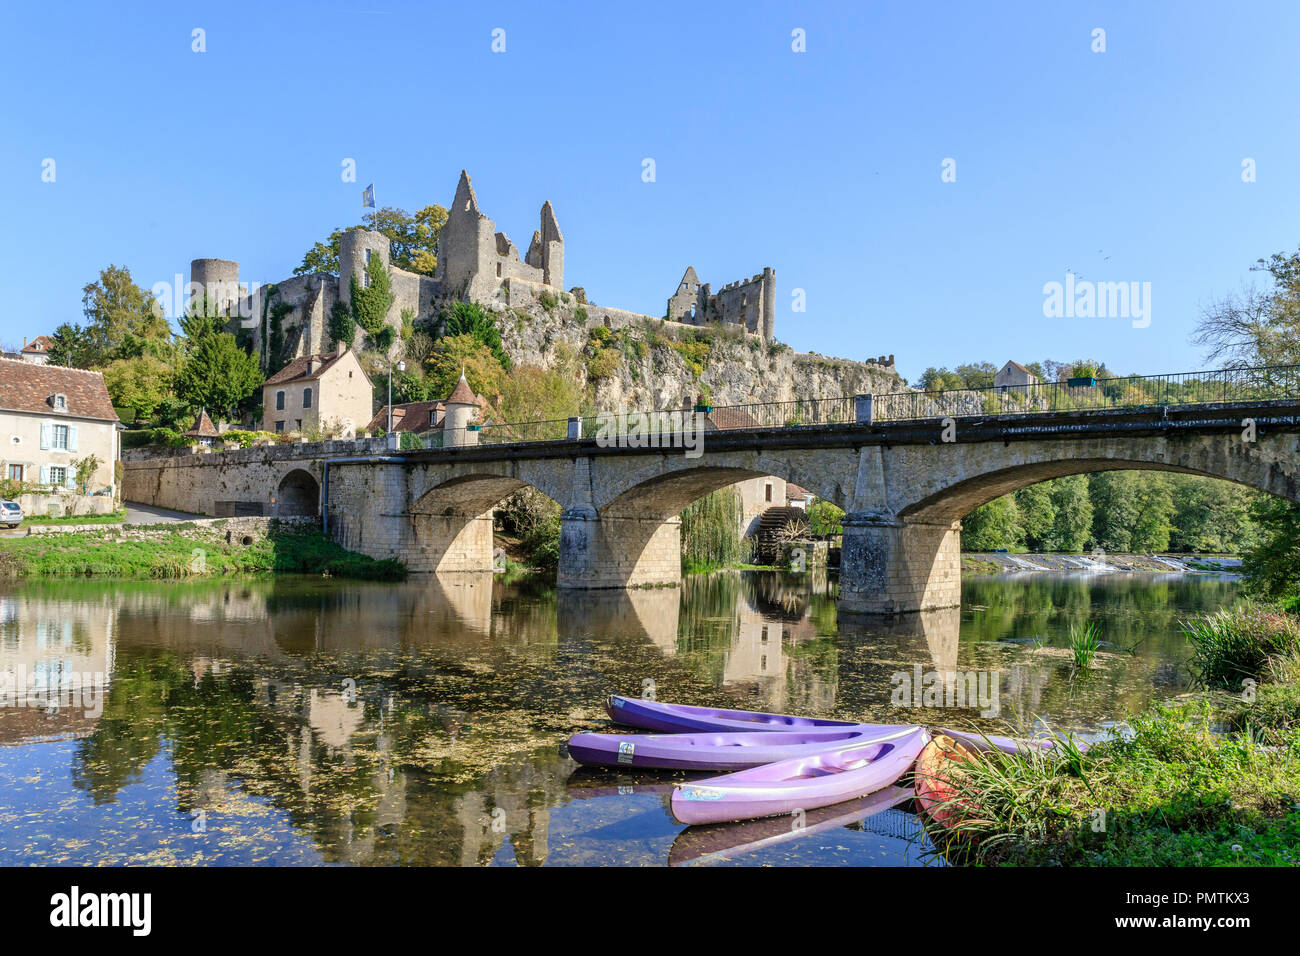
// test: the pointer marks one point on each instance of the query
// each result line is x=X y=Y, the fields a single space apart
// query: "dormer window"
x=59 y=402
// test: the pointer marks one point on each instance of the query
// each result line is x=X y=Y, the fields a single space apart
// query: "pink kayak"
x=803 y=783
x=683 y=718
x=723 y=752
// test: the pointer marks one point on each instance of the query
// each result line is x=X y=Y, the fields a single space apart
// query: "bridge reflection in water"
x=307 y=721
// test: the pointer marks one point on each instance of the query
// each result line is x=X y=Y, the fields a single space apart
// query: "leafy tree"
x=825 y=518
x=1072 y=526
x=70 y=347
x=85 y=469
x=217 y=373
x=1271 y=565
x=142 y=383
x=122 y=319
x=414 y=240
x=531 y=393
x=482 y=369
x=470 y=318
x=1037 y=514
x=992 y=526
x=978 y=375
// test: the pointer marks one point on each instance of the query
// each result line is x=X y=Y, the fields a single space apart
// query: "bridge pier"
x=613 y=551
x=891 y=565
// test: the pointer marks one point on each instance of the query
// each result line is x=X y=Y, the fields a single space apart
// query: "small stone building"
x=203 y=430
x=328 y=390
x=1012 y=374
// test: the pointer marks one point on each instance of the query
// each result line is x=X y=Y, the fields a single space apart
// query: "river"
x=308 y=721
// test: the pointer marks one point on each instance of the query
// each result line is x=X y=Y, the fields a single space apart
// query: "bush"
x=1247 y=642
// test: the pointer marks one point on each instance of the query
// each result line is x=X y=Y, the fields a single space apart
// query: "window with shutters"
x=58 y=475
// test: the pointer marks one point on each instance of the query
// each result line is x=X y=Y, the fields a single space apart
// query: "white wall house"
x=51 y=418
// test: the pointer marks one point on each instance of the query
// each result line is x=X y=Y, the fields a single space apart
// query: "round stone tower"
x=461 y=407
x=218 y=278
x=357 y=247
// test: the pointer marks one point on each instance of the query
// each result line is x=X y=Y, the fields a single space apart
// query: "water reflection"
x=306 y=721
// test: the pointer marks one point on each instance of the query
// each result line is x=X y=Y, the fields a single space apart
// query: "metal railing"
x=1220 y=386
x=1216 y=387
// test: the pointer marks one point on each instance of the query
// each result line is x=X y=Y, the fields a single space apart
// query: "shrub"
x=1247 y=642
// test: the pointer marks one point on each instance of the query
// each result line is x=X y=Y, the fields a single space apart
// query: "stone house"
x=329 y=390
x=53 y=417
x=1013 y=374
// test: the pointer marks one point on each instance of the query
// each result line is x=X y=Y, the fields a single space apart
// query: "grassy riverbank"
x=1211 y=780
x=184 y=551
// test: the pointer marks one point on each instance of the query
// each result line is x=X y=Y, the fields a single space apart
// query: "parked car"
x=11 y=514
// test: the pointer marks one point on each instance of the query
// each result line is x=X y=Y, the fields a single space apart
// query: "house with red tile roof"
x=51 y=418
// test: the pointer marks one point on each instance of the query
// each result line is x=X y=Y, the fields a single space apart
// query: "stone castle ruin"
x=475 y=262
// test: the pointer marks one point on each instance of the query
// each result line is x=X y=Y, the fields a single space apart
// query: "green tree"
x=482 y=370
x=993 y=526
x=1271 y=565
x=122 y=319
x=1037 y=514
x=1072 y=525
x=70 y=347
x=142 y=383
x=470 y=318
x=217 y=373
x=414 y=240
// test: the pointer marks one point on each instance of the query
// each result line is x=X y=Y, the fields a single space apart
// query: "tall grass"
x=1246 y=642
x=711 y=532
x=1084 y=642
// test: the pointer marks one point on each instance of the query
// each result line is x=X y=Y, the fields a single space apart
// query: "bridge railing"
x=1219 y=386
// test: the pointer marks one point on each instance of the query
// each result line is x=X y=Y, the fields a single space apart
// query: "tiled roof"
x=462 y=394
x=39 y=344
x=794 y=492
x=409 y=417
x=203 y=427
x=297 y=369
x=725 y=418
x=27 y=387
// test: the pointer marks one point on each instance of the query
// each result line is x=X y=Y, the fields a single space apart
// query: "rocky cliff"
x=641 y=363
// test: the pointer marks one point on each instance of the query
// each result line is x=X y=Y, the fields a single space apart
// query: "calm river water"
x=306 y=721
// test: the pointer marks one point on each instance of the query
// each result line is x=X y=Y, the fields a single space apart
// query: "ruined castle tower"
x=218 y=279
x=748 y=303
x=473 y=257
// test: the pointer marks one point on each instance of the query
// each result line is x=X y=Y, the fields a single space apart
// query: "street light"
x=401 y=367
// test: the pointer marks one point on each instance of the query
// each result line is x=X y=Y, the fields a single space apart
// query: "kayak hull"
x=938 y=766
x=724 y=752
x=802 y=783
x=685 y=719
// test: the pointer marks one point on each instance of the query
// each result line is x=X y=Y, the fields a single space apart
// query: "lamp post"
x=401 y=367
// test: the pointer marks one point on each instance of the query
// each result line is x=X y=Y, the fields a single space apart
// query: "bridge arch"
x=960 y=491
x=298 y=494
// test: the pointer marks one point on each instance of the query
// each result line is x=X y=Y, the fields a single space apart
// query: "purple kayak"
x=683 y=718
x=723 y=752
x=804 y=783
x=1008 y=745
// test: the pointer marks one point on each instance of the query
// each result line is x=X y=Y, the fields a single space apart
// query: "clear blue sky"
x=824 y=165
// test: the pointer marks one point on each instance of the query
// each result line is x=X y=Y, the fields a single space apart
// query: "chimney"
x=340 y=348
x=311 y=364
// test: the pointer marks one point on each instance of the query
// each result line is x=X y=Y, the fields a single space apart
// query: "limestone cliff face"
x=640 y=363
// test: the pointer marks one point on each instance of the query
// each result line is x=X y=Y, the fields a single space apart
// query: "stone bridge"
x=904 y=486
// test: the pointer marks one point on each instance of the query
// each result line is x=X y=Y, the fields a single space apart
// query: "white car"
x=11 y=514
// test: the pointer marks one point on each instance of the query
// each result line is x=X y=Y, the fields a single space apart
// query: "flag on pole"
x=368 y=197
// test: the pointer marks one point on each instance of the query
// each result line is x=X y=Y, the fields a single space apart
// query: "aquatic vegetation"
x=1248 y=642
x=1084 y=642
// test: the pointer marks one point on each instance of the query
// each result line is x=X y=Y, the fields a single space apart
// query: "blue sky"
x=825 y=165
